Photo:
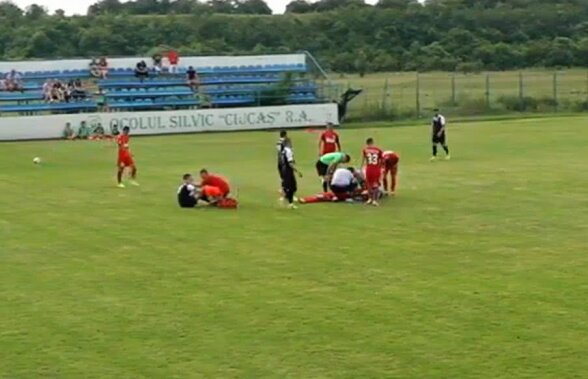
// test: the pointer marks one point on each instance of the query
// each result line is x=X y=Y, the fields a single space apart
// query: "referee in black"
x=439 y=136
x=288 y=171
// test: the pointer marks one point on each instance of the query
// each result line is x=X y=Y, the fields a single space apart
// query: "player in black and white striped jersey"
x=288 y=171
x=439 y=136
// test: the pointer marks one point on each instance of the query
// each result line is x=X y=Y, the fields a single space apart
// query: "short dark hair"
x=126 y=129
x=351 y=169
x=369 y=141
x=187 y=176
x=348 y=157
x=204 y=171
x=283 y=134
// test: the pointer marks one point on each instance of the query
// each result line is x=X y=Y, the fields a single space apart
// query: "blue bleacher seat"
x=59 y=107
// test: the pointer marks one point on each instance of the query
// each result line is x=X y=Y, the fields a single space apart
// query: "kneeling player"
x=327 y=164
x=215 y=181
x=213 y=196
x=390 y=169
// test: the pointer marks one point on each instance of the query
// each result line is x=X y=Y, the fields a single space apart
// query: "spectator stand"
x=218 y=86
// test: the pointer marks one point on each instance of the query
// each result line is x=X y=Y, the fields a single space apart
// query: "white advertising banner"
x=197 y=62
x=171 y=122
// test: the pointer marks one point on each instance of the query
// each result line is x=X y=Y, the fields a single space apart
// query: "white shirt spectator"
x=342 y=178
x=13 y=76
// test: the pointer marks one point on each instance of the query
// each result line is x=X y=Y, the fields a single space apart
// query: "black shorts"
x=280 y=171
x=188 y=203
x=321 y=168
x=342 y=190
x=289 y=183
x=438 y=138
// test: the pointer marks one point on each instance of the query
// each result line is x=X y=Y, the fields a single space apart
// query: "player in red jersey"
x=372 y=160
x=216 y=181
x=390 y=167
x=125 y=158
x=329 y=141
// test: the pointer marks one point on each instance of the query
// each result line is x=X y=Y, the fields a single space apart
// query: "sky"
x=81 y=6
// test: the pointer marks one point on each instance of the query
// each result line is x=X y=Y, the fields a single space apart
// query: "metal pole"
x=487 y=92
x=418 y=95
x=384 y=98
x=453 y=99
x=521 y=90
x=555 y=90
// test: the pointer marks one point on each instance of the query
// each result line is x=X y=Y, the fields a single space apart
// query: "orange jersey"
x=330 y=142
x=218 y=182
x=211 y=191
x=373 y=156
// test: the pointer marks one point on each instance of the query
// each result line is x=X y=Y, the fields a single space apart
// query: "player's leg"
x=119 y=175
x=443 y=142
x=133 y=167
x=394 y=181
x=385 y=172
x=319 y=198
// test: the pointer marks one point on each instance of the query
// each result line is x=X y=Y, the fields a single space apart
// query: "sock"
x=386 y=182
x=290 y=197
x=446 y=148
x=325 y=186
x=434 y=150
x=119 y=176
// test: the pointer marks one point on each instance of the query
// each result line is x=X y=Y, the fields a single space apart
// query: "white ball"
x=36 y=160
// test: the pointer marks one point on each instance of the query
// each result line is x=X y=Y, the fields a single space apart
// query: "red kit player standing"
x=329 y=141
x=125 y=158
x=390 y=167
x=372 y=160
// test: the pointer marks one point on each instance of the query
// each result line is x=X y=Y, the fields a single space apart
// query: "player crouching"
x=390 y=160
x=191 y=195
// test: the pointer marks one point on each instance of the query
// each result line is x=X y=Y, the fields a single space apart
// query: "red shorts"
x=372 y=176
x=125 y=160
x=390 y=168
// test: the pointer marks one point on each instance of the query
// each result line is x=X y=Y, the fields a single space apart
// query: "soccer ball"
x=36 y=160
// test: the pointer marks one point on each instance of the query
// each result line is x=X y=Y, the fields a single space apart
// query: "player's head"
x=346 y=158
x=126 y=130
x=283 y=134
x=188 y=178
x=330 y=126
x=369 y=141
x=204 y=173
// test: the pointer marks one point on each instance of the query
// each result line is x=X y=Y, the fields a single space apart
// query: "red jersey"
x=123 y=144
x=330 y=142
x=173 y=57
x=218 y=182
x=391 y=158
x=373 y=156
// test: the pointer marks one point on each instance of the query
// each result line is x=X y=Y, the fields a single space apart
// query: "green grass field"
x=476 y=270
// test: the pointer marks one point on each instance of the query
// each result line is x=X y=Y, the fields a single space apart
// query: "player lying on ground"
x=390 y=169
x=347 y=185
x=327 y=164
x=125 y=158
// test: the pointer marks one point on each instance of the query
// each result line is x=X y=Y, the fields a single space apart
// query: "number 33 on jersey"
x=373 y=156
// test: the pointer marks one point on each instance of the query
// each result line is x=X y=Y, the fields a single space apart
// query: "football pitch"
x=477 y=269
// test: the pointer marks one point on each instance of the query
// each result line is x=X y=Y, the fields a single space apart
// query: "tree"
x=60 y=13
x=253 y=7
x=35 y=12
x=9 y=10
x=105 y=7
x=299 y=6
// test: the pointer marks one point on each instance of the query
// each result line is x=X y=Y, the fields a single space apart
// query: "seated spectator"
x=98 y=133
x=84 y=131
x=94 y=69
x=193 y=80
x=103 y=68
x=47 y=90
x=68 y=132
x=13 y=81
x=57 y=92
x=2 y=85
x=77 y=90
x=141 y=71
x=157 y=62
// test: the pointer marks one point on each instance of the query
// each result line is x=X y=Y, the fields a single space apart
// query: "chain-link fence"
x=412 y=95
